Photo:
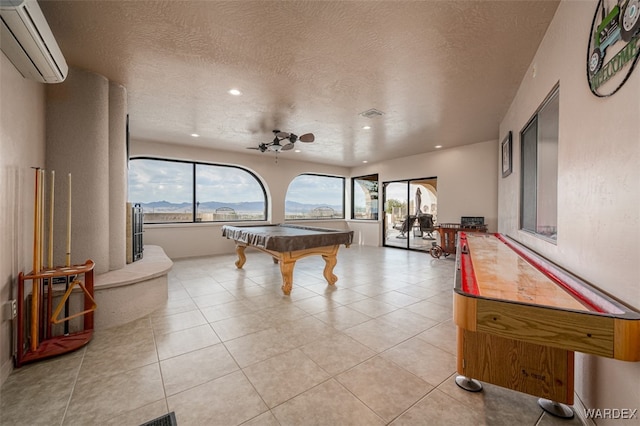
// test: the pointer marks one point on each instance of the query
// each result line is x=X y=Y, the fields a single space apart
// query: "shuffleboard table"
x=520 y=318
x=288 y=243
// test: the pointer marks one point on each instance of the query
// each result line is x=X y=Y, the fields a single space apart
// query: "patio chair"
x=426 y=226
x=406 y=226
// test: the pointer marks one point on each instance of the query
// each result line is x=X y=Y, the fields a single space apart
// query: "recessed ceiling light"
x=365 y=161
x=235 y=92
x=438 y=146
x=296 y=150
x=366 y=127
x=195 y=135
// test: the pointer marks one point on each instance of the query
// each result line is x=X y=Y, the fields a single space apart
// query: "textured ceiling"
x=443 y=72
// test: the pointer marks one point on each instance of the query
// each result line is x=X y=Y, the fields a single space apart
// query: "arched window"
x=172 y=191
x=315 y=197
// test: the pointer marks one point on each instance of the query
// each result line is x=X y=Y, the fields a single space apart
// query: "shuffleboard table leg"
x=556 y=408
x=286 y=268
x=468 y=384
x=241 y=257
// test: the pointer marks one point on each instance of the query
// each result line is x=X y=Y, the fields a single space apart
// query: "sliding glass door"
x=411 y=208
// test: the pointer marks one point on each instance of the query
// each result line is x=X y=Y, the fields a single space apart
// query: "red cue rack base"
x=57 y=346
x=48 y=346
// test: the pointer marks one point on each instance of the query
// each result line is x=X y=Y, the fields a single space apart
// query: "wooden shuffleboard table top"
x=501 y=273
x=504 y=289
x=495 y=267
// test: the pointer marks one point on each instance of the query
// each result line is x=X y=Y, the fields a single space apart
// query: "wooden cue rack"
x=48 y=345
x=48 y=330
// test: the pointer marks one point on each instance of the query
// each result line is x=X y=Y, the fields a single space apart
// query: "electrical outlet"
x=9 y=310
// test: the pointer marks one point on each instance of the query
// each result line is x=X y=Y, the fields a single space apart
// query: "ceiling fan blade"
x=307 y=137
x=262 y=147
x=282 y=135
x=287 y=147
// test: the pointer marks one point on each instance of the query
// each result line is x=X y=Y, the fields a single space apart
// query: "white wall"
x=466 y=187
x=22 y=146
x=598 y=187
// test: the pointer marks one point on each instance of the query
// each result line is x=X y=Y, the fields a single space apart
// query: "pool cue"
x=45 y=281
x=68 y=257
x=68 y=260
x=43 y=209
x=50 y=247
x=53 y=177
x=35 y=288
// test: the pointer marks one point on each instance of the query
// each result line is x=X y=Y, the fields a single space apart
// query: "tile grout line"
x=73 y=386
x=155 y=345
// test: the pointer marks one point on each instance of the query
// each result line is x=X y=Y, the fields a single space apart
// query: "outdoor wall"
x=22 y=146
x=202 y=239
x=598 y=188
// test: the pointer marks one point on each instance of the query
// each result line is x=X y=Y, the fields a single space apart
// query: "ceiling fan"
x=276 y=146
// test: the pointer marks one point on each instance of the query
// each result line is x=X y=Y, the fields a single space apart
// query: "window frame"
x=194 y=201
x=342 y=215
x=529 y=220
x=353 y=204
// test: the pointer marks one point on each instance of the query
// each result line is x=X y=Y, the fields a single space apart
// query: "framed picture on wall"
x=507 y=156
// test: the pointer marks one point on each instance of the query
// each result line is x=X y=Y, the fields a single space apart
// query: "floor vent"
x=166 y=420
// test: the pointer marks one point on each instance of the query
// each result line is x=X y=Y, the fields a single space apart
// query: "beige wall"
x=467 y=179
x=78 y=143
x=188 y=240
x=77 y=115
x=598 y=187
x=22 y=146
x=466 y=187
x=86 y=122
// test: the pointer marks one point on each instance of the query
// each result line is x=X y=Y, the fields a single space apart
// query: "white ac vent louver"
x=27 y=41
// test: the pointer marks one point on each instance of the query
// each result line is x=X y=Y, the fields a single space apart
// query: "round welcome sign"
x=614 y=45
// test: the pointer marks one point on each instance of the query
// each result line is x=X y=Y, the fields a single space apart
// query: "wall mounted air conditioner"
x=27 y=41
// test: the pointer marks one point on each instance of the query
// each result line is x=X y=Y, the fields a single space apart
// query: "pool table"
x=288 y=243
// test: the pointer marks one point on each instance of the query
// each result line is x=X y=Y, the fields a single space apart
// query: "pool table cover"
x=283 y=238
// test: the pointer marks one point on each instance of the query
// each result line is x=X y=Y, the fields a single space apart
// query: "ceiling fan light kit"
x=276 y=146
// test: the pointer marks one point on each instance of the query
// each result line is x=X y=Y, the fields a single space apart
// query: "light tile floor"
x=229 y=348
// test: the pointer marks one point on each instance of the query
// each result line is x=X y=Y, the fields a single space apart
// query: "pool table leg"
x=241 y=257
x=286 y=269
x=330 y=261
